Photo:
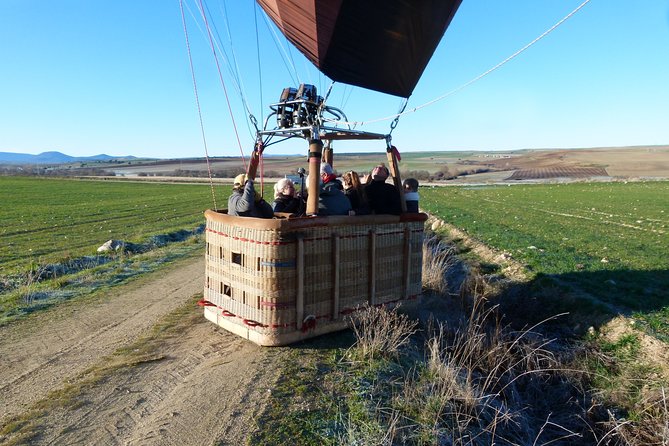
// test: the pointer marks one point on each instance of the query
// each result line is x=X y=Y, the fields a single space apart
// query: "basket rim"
x=285 y=222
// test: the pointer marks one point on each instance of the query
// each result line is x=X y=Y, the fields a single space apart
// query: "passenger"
x=331 y=200
x=383 y=198
x=284 y=197
x=355 y=192
x=411 y=194
x=245 y=202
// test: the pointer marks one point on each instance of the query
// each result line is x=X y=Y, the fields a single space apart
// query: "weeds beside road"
x=464 y=376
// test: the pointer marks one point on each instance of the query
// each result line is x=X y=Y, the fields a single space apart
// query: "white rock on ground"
x=111 y=245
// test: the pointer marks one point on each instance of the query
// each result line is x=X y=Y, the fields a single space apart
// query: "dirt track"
x=203 y=387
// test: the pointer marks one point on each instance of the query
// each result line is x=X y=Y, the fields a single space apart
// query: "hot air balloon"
x=380 y=45
x=277 y=281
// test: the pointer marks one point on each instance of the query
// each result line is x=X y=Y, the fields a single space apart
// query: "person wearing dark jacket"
x=331 y=199
x=245 y=202
x=383 y=198
x=355 y=192
x=284 y=197
x=411 y=194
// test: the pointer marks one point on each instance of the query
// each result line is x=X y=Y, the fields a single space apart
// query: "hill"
x=455 y=166
x=54 y=157
x=599 y=164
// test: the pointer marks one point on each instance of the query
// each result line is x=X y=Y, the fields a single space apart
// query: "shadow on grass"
x=340 y=339
x=590 y=299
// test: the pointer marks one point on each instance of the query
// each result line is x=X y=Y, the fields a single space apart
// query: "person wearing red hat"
x=331 y=198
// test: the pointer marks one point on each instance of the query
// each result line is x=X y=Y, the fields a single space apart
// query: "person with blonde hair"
x=355 y=192
x=284 y=197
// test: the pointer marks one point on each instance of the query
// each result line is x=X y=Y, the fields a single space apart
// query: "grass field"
x=609 y=239
x=47 y=220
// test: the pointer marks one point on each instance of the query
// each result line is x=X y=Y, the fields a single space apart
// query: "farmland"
x=609 y=240
x=47 y=220
x=469 y=166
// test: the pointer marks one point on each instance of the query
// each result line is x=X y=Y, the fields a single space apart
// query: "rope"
x=235 y=76
x=325 y=99
x=346 y=95
x=397 y=118
x=284 y=56
x=467 y=84
x=327 y=94
x=197 y=102
x=239 y=79
x=255 y=18
x=220 y=76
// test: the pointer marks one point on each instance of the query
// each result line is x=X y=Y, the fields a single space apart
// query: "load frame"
x=281 y=280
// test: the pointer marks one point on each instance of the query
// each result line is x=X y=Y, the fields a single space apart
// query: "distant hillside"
x=54 y=158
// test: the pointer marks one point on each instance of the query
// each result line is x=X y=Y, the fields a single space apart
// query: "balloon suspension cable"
x=238 y=80
x=397 y=119
x=230 y=62
x=327 y=95
x=477 y=78
x=254 y=121
x=262 y=104
x=197 y=103
x=321 y=107
x=285 y=57
x=220 y=76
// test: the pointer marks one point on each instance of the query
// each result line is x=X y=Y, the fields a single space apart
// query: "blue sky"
x=86 y=77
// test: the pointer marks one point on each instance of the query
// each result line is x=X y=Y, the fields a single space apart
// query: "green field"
x=611 y=239
x=608 y=239
x=48 y=220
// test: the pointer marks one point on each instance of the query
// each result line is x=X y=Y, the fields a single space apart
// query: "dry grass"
x=438 y=257
x=381 y=332
x=465 y=376
x=479 y=382
x=652 y=427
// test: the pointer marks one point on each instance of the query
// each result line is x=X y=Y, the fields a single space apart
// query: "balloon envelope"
x=383 y=45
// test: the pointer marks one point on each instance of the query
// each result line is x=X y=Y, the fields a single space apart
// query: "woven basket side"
x=254 y=279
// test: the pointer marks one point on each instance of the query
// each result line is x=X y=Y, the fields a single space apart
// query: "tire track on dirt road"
x=45 y=351
x=208 y=389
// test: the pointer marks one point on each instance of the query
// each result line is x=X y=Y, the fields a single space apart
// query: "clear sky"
x=86 y=77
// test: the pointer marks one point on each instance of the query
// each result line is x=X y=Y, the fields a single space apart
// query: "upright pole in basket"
x=315 y=152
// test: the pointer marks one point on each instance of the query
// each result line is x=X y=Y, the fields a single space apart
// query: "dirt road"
x=204 y=387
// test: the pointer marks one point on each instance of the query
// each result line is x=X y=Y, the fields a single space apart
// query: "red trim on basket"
x=252 y=323
x=280 y=325
x=205 y=303
x=310 y=324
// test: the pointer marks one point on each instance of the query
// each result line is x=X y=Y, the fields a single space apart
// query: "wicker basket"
x=282 y=280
